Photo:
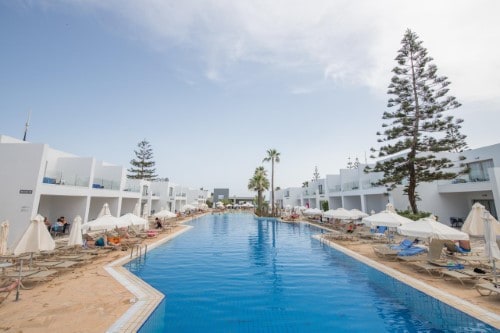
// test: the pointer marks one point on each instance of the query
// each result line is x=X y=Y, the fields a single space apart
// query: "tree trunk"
x=413 y=150
x=259 y=203
x=412 y=198
x=272 y=187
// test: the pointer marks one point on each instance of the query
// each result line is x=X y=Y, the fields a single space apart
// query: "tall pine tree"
x=418 y=126
x=142 y=167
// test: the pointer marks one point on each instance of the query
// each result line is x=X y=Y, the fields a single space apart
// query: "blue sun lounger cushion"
x=405 y=244
x=411 y=251
x=461 y=250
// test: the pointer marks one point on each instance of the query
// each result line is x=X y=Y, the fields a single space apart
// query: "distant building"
x=220 y=194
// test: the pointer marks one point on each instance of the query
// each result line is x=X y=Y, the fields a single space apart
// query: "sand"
x=87 y=299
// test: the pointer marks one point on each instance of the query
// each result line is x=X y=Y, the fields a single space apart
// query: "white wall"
x=128 y=205
x=495 y=182
x=20 y=169
x=55 y=206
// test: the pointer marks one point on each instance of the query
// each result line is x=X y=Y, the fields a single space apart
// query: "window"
x=320 y=188
x=478 y=171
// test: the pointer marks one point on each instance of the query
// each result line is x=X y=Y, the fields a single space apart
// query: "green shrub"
x=409 y=214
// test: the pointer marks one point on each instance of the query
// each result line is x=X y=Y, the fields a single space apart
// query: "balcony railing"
x=336 y=188
x=132 y=188
x=367 y=184
x=107 y=184
x=350 y=186
x=463 y=180
x=68 y=179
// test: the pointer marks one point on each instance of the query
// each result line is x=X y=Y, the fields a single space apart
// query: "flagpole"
x=26 y=126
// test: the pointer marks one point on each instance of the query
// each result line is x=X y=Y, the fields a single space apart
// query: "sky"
x=214 y=84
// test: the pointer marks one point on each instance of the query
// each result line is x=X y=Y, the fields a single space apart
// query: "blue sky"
x=214 y=84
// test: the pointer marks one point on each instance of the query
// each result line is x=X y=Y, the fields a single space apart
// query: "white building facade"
x=37 y=179
x=450 y=199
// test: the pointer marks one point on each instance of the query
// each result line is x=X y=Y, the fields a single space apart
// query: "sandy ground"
x=88 y=299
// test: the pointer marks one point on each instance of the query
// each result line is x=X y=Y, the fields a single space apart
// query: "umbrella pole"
x=19 y=282
x=495 y=278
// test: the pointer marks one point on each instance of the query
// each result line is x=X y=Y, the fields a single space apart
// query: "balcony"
x=106 y=184
x=464 y=184
x=67 y=179
x=336 y=188
x=132 y=188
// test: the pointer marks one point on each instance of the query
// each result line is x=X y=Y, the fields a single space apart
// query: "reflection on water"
x=234 y=273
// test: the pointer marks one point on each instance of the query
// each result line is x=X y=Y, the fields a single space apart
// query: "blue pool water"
x=235 y=273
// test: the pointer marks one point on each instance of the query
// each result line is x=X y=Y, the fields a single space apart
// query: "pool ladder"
x=138 y=250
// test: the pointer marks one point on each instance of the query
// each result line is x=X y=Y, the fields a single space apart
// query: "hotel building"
x=37 y=179
x=446 y=199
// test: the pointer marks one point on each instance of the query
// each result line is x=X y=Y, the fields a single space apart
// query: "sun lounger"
x=486 y=289
x=66 y=264
x=46 y=264
x=415 y=258
x=411 y=251
x=40 y=276
x=385 y=252
x=22 y=274
x=457 y=275
x=423 y=266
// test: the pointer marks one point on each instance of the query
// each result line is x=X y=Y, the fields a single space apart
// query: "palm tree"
x=259 y=183
x=273 y=156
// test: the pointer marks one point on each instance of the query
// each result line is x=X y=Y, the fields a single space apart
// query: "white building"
x=37 y=179
x=353 y=188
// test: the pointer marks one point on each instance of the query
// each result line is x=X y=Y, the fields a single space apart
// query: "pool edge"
x=475 y=311
x=146 y=298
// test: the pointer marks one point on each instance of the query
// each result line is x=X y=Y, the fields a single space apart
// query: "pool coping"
x=475 y=311
x=146 y=298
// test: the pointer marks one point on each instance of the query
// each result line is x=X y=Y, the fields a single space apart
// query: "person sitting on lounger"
x=158 y=224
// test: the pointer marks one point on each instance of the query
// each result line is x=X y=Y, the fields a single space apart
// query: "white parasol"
x=386 y=218
x=75 y=235
x=104 y=210
x=165 y=214
x=312 y=212
x=36 y=238
x=358 y=214
x=435 y=231
x=187 y=207
x=340 y=214
x=474 y=223
x=132 y=219
x=145 y=211
x=104 y=222
x=4 y=235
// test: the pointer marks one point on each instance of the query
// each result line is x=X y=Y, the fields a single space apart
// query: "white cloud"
x=353 y=42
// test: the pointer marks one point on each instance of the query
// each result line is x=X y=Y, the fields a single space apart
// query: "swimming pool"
x=235 y=273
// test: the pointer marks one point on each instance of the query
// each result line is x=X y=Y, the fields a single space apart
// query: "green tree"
x=274 y=157
x=142 y=167
x=315 y=174
x=259 y=183
x=418 y=127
